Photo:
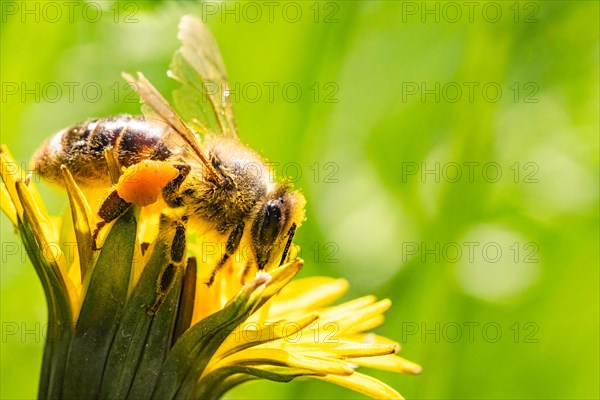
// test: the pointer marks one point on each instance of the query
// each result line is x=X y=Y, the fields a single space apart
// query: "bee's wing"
x=203 y=100
x=159 y=106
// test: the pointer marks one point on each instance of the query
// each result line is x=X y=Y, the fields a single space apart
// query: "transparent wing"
x=203 y=100
x=155 y=105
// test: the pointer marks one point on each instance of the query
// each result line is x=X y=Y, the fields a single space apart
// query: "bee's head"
x=277 y=216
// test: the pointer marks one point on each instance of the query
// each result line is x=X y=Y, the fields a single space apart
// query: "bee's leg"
x=112 y=208
x=163 y=285
x=144 y=247
x=176 y=254
x=290 y=235
x=179 y=244
x=233 y=241
x=245 y=273
x=170 y=192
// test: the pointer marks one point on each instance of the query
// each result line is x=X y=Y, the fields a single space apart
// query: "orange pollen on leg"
x=142 y=183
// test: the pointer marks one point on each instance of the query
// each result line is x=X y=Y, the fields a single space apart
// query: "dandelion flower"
x=129 y=320
x=103 y=342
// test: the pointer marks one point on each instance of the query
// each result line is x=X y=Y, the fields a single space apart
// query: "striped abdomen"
x=81 y=148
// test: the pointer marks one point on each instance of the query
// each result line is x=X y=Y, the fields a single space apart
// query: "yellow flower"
x=124 y=322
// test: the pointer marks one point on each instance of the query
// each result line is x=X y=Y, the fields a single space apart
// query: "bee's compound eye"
x=271 y=222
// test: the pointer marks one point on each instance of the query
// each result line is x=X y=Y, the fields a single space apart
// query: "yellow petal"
x=332 y=313
x=82 y=218
x=7 y=205
x=365 y=325
x=364 y=384
x=369 y=338
x=341 y=350
x=356 y=319
x=258 y=356
x=75 y=277
x=251 y=334
x=50 y=250
x=42 y=230
x=11 y=172
x=308 y=294
x=280 y=277
x=389 y=363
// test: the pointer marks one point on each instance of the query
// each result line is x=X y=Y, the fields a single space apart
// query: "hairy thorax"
x=243 y=182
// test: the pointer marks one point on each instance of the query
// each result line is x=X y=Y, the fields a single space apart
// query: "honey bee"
x=207 y=179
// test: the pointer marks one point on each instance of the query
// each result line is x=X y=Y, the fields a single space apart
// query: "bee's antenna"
x=290 y=236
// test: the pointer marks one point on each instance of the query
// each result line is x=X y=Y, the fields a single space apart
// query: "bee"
x=218 y=184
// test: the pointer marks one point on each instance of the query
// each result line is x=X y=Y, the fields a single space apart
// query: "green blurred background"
x=493 y=273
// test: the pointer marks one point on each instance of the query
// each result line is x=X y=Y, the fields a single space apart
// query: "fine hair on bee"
x=191 y=161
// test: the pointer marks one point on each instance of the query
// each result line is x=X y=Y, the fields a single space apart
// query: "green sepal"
x=218 y=382
x=101 y=311
x=81 y=217
x=194 y=349
x=158 y=345
x=143 y=339
x=60 y=325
